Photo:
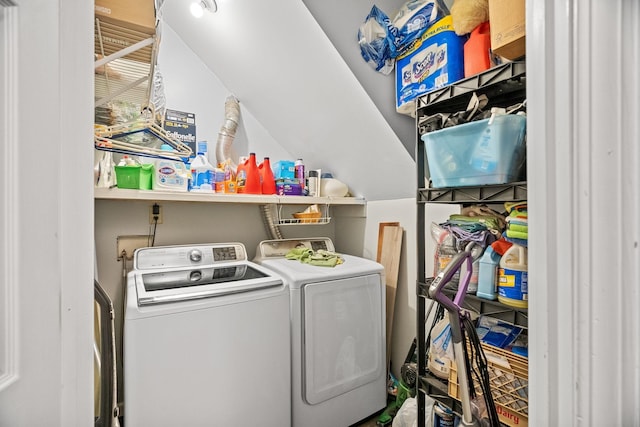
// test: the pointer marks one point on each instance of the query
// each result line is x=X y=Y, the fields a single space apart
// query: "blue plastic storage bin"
x=477 y=153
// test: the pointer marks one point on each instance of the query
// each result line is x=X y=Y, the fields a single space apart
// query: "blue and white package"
x=376 y=45
x=434 y=60
x=382 y=40
x=414 y=18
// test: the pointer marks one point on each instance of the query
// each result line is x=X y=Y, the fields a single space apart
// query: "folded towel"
x=518 y=219
x=319 y=258
x=516 y=207
x=517 y=234
x=521 y=242
x=518 y=227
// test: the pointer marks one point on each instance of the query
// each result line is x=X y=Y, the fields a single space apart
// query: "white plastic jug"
x=202 y=174
x=488 y=274
x=170 y=175
x=513 y=281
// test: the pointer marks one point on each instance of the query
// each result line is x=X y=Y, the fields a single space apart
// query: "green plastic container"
x=137 y=177
x=128 y=176
x=146 y=174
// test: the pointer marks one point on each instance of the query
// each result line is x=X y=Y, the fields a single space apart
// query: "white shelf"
x=168 y=196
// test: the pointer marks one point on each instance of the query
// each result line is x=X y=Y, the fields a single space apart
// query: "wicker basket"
x=509 y=377
x=308 y=217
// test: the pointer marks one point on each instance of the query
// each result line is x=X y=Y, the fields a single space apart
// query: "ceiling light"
x=198 y=7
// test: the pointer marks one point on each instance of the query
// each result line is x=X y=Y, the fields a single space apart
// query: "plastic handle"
x=445 y=276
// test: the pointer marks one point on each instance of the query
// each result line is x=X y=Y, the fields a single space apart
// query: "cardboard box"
x=138 y=15
x=508 y=29
x=181 y=126
x=434 y=60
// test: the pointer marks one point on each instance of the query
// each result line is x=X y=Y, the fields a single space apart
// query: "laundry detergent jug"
x=170 y=175
x=513 y=281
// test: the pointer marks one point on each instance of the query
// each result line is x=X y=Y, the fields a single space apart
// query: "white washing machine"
x=206 y=340
x=337 y=334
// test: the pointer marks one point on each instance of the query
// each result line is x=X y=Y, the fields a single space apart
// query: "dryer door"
x=344 y=336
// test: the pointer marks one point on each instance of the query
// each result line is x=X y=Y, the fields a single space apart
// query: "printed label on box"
x=434 y=60
x=181 y=126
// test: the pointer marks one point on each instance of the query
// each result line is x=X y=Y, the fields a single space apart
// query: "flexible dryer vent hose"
x=273 y=230
x=228 y=131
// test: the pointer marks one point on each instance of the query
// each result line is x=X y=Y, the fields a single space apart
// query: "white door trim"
x=9 y=212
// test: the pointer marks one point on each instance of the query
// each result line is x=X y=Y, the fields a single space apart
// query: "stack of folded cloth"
x=517 y=225
x=321 y=257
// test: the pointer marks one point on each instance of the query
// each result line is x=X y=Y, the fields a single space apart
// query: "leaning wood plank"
x=389 y=251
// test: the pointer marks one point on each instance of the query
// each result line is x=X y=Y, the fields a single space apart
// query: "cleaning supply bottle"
x=477 y=50
x=252 y=183
x=488 y=274
x=241 y=174
x=299 y=174
x=170 y=175
x=202 y=174
x=513 y=281
x=127 y=161
x=266 y=177
x=230 y=183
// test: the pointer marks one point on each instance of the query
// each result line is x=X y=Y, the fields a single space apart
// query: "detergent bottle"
x=230 y=183
x=266 y=177
x=488 y=274
x=241 y=174
x=513 y=282
x=252 y=183
x=202 y=174
x=170 y=175
x=477 y=50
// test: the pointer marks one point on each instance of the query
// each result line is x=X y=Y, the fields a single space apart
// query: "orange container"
x=266 y=177
x=252 y=184
x=477 y=50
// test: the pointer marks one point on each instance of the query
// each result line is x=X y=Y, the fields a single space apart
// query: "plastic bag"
x=381 y=40
x=445 y=250
x=407 y=415
x=413 y=19
x=376 y=46
x=441 y=349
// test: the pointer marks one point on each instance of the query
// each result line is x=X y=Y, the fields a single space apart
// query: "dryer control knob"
x=195 y=255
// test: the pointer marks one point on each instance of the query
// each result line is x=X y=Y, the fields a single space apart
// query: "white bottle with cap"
x=170 y=175
x=202 y=174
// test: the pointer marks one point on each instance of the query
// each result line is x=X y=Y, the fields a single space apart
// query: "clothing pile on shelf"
x=517 y=223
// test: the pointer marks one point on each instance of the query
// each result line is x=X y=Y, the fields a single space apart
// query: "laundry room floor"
x=369 y=422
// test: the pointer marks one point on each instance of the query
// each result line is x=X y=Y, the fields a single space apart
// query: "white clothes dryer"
x=206 y=340
x=337 y=334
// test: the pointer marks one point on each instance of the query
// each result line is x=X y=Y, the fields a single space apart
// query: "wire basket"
x=308 y=217
x=509 y=377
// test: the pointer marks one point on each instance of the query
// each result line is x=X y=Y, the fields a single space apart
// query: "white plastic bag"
x=441 y=349
x=407 y=415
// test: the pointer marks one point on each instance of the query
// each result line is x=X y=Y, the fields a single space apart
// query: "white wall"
x=404 y=212
x=46 y=214
x=277 y=60
x=192 y=87
x=583 y=180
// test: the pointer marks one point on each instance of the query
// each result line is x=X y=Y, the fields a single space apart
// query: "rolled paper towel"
x=331 y=187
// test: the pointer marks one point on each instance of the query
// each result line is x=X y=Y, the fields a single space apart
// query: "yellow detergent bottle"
x=513 y=281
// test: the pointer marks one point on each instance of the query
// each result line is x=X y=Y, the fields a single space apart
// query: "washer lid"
x=173 y=285
x=297 y=274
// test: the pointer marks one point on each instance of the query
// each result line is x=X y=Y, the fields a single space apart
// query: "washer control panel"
x=188 y=255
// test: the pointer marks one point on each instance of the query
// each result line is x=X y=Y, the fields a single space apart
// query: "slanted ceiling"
x=275 y=58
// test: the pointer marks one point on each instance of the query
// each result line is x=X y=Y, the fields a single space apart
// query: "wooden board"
x=389 y=251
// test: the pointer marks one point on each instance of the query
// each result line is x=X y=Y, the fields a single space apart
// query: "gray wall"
x=340 y=21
